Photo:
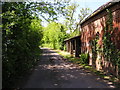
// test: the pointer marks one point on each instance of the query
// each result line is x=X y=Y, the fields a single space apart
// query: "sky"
x=92 y=4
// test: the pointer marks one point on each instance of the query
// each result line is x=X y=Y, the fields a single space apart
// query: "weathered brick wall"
x=116 y=27
x=95 y=25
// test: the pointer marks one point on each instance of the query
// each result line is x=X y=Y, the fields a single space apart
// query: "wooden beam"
x=71 y=47
x=67 y=46
x=77 y=47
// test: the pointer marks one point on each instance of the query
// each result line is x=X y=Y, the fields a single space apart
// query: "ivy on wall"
x=94 y=48
x=111 y=53
x=109 y=50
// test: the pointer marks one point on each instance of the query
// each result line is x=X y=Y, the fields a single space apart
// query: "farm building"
x=73 y=46
x=100 y=37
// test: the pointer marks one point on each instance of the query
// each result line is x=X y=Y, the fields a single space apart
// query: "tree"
x=70 y=19
x=84 y=12
x=22 y=34
x=54 y=35
x=49 y=11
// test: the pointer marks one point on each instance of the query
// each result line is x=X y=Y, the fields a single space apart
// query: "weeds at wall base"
x=101 y=74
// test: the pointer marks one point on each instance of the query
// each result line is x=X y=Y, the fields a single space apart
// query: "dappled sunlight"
x=62 y=52
x=59 y=66
x=68 y=76
x=44 y=54
x=98 y=78
x=54 y=71
x=111 y=86
x=66 y=70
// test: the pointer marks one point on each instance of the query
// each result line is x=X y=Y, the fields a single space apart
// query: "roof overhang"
x=72 y=38
x=100 y=9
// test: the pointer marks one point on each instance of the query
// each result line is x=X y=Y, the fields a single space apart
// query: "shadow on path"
x=61 y=74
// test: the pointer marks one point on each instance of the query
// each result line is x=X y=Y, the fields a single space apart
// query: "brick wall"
x=95 y=26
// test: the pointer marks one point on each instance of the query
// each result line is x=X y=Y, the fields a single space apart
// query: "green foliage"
x=49 y=11
x=71 y=20
x=94 y=49
x=22 y=34
x=109 y=50
x=21 y=39
x=107 y=43
x=111 y=53
x=54 y=35
x=84 y=58
x=74 y=60
x=84 y=12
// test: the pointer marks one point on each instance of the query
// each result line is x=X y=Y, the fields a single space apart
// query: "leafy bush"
x=54 y=35
x=21 y=36
x=84 y=58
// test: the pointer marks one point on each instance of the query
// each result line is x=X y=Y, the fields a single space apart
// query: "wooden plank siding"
x=73 y=46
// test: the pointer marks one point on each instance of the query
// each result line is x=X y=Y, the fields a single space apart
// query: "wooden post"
x=76 y=49
x=67 y=46
x=71 y=47
x=117 y=70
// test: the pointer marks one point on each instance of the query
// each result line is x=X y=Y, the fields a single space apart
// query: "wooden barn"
x=73 y=46
x=94 y=29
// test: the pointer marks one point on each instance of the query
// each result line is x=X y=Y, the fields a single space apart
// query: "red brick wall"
x=89 y=32
x=116 y=27
x=97 y=24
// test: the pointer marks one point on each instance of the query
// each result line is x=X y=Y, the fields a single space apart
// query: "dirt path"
x=61 y=74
